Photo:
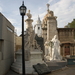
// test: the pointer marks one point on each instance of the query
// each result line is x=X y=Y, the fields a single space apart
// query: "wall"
x=6 y=44
x=66 y=37
x=18 y=43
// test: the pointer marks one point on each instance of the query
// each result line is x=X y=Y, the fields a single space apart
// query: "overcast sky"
x=63 y=9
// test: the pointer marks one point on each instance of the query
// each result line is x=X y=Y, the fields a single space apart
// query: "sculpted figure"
x=28 y=14
x=55 y=49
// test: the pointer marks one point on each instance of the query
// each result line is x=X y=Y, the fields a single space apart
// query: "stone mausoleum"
x=66 y=36
x=6 y=44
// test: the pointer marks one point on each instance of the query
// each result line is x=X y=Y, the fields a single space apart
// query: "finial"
x=23 y=3
x=29 y=15
x=38 y=18
x=28 y=11
x=48 y=7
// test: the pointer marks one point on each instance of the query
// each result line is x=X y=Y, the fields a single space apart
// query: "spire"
x=38 y=18
x=38 y=21
x=48 y=7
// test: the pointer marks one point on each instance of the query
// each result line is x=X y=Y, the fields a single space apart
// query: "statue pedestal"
x=35 y=57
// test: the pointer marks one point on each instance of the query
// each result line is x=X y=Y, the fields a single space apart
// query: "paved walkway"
x=57 y=68
x=55 y=65
x=64 y=71
x=12 y=73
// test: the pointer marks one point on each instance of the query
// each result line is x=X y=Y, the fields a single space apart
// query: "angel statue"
x=54 y=49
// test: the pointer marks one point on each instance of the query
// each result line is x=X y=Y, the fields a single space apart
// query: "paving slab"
x=41 y=69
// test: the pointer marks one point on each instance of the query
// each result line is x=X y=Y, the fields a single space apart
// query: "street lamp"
x=22 y=13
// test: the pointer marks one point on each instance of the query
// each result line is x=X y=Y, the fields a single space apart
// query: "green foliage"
x=71 y=25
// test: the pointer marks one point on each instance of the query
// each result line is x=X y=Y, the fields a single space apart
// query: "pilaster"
x=51 y=28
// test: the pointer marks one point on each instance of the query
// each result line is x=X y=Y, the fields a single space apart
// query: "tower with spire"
x=37 y=27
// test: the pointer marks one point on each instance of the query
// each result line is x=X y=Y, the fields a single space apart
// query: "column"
x=70 y=50
x=48 y=30
x=29 y=24
x=63 y=51
x=74 y=49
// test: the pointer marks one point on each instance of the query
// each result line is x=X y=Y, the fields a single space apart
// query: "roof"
x=65 y=28
x=67 y=42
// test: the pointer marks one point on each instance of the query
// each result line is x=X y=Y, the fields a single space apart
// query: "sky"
x=63 y=9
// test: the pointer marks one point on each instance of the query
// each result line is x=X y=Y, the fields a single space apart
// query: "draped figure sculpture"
x=54 y=49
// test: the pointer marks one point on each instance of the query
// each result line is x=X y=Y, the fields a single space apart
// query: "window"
x=67 y=46
x=8 y=28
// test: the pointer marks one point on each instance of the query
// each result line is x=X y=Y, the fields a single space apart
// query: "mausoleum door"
x=67 y=49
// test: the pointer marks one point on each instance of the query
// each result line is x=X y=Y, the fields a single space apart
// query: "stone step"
x=16 y=69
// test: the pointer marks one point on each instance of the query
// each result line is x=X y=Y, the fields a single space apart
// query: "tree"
x=71 y=25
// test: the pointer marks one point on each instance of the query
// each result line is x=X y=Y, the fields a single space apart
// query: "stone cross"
x=48 y=7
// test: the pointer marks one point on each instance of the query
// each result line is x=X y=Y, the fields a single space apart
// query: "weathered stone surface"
x=41 y=69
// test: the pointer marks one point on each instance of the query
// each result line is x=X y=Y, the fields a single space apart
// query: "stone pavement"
x=12 y=73
x=70 y=70
x=55 y=65
x=57 y=68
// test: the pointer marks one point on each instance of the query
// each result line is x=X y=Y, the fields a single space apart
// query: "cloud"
x=18 y=30
x=0 y=9
x=64 y=10
x=49 y=1
x=42 y=15
x=1 y=6
x=13 y=21
x=40 y=8
x=16 y=12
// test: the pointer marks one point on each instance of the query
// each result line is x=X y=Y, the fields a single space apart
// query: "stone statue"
x=54 y=49
x=28 y=14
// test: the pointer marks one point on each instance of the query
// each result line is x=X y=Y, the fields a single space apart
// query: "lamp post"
x=22 y=13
